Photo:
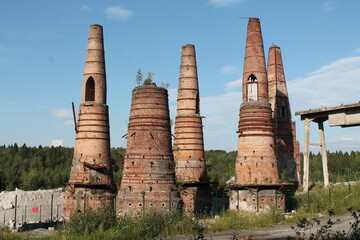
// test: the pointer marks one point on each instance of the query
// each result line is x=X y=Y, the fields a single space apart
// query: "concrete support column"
x=323 y=154
x=306 y=155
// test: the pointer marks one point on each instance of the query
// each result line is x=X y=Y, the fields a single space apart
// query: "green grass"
x=147 y=225
x=319 y=200
x=151 y=224
x=337 y=198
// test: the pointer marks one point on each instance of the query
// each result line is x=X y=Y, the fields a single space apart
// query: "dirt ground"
x=272 y=233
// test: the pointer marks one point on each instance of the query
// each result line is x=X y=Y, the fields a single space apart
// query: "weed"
x=304 y=227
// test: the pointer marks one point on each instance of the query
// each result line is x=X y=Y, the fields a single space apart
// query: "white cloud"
x=329 y=5
x=118 y=13
x=223 y=3
x=234 y=84
x=86 y=7
x=346 y=138
x=33 y=36
x=331 y=85
x=228 y=69
x=64 y=114
x=57 y=142
x=222 y=116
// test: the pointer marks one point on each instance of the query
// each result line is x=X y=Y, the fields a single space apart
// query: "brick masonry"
x=188 y=142
x=91 y=184
x=148 y=180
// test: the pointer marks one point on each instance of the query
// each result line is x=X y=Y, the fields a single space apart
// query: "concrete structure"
x=256 y=200
x=91 y=184
x=20 y=208
x=345 y=115
x=287 y=148
x=148 y=180
x=188 y=142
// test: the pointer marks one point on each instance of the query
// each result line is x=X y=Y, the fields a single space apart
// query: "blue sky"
x=43 y=46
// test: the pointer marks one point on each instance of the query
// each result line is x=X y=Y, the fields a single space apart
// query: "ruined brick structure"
x=91 y=184
x=256 y=162
x=148 y=180
x=286 y=146
x=260 y=158
x=188 y=141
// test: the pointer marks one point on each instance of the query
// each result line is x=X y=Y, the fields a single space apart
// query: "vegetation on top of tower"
x=139 y=78
x=149 y=78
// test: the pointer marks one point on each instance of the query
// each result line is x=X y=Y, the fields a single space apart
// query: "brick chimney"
x=91 y=184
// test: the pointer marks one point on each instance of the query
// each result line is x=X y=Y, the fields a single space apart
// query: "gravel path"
x=271 y=233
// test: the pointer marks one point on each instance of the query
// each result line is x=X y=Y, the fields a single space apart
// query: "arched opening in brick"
x=90 y=89
x=252 y=88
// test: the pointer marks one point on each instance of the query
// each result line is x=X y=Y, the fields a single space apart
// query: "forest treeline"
x=32 y=168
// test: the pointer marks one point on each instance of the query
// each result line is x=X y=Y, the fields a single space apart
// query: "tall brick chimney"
x=188 y=141
x=148 y=180
x=256 y=163
x=284 y=127
x=91 y=184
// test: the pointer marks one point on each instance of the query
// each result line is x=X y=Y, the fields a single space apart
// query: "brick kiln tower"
x=256 y=162
x=286 y=145
x=91 y=183
x=188 y=141
x=149 y=175
x=256 y=165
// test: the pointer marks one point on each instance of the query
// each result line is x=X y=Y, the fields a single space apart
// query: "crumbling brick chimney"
x=188 y=141
x=256 y=163
x=286 y=145
x=91 y=184
x=148 y=180
x=256 y=169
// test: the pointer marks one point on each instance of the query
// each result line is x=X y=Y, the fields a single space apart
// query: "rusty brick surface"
x=254 y=62
x=256 y=162
x=149 y=173
x=197 y=198
x=188 y=142
x=91 y=184
x=284 y=127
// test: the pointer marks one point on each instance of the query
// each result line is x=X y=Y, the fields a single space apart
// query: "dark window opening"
x=197 y=110
x=283 y=112
x=90 y=90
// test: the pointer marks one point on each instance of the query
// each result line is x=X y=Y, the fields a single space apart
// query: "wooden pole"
x=306 y=155
x=74 y=116
x=323 y=154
